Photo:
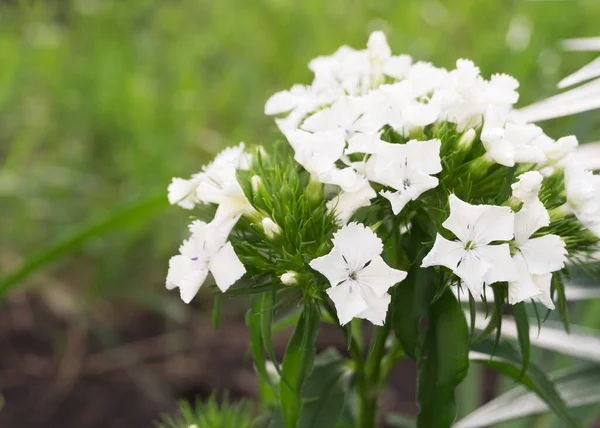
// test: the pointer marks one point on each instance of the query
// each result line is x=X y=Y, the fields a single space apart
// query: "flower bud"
x=270 y=227
x=528 y=186
x=289 y=278
x=256 y=182
x=467 y=139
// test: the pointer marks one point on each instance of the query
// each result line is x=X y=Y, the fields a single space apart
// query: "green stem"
x=371 y=388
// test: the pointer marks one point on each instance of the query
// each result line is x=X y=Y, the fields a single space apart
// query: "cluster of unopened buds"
x=385 y=153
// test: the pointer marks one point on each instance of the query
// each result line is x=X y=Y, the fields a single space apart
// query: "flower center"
x=470 y=245
x=406 y=183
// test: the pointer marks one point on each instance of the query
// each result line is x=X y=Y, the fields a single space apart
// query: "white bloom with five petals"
x=471 y=257
x=205 y=251
x=359 y=277
x=406 y=168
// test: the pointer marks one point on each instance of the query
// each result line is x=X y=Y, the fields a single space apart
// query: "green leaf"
x=499 y=297
x=520 y=314
x=505 y=359
x=410 y=302
x=266 y=319
x=118 y=217
x=324 y=391
x=412 y=298
x=253 y=321
x=563 y=310
x=577 y=387
x=443 y=362
x=298 y=363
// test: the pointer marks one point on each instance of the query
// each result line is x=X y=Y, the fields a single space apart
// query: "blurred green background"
x=103 y=101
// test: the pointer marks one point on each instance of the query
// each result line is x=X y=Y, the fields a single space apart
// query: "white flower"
x=205 y=186
x=289 y=278
x=508 y=143
x=205 y=251
x=471 y=257
x=183 y=192
x=223 y=189
x=583 y=195
x=536 y=258
x=270 y=227
x=406 y=168
x=358 y=275
x=346 y=203
x=340 y=116
x=317 y=153
x=397 y=66
x=527 y=188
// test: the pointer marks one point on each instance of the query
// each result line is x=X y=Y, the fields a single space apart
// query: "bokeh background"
x=103 y=101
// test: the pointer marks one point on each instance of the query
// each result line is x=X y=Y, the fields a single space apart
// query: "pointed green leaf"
x=115 y=218
x=505 y=359
x=411 y=300
x=324 y=391
x=563 y=310
x=442 y=362
x=253 y=318
x=298 y=363
x=266 y=319
x=522 y=321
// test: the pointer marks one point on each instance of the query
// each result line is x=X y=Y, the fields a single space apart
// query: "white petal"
x=379 y=277
x=377 y=307
x=346 y=203
x=365 y=143
x=472 y=270
x=543 y=283
x=190 y=285
x=183 y=193
x=462 y=218
x=332 y=266
x=494 y=224
x=226 y=267
x=444 y=253
x=502 y=266
x=398 y=200
x=341 y=114
x=397 y=66
x=544 y=254
x=348 y=301
x=348 y=179
x=425 y=155
x=179 y=268
x=523 y=288
x=357 y=244
x=531 y=217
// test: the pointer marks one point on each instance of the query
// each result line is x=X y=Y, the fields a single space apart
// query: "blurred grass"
x=103 y=101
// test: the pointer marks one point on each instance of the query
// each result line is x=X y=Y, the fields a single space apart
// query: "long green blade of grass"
x=116 y=218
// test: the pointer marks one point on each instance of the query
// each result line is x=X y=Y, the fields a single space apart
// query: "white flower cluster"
x=356 y=93
x=207 y=250
x=373 y=126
